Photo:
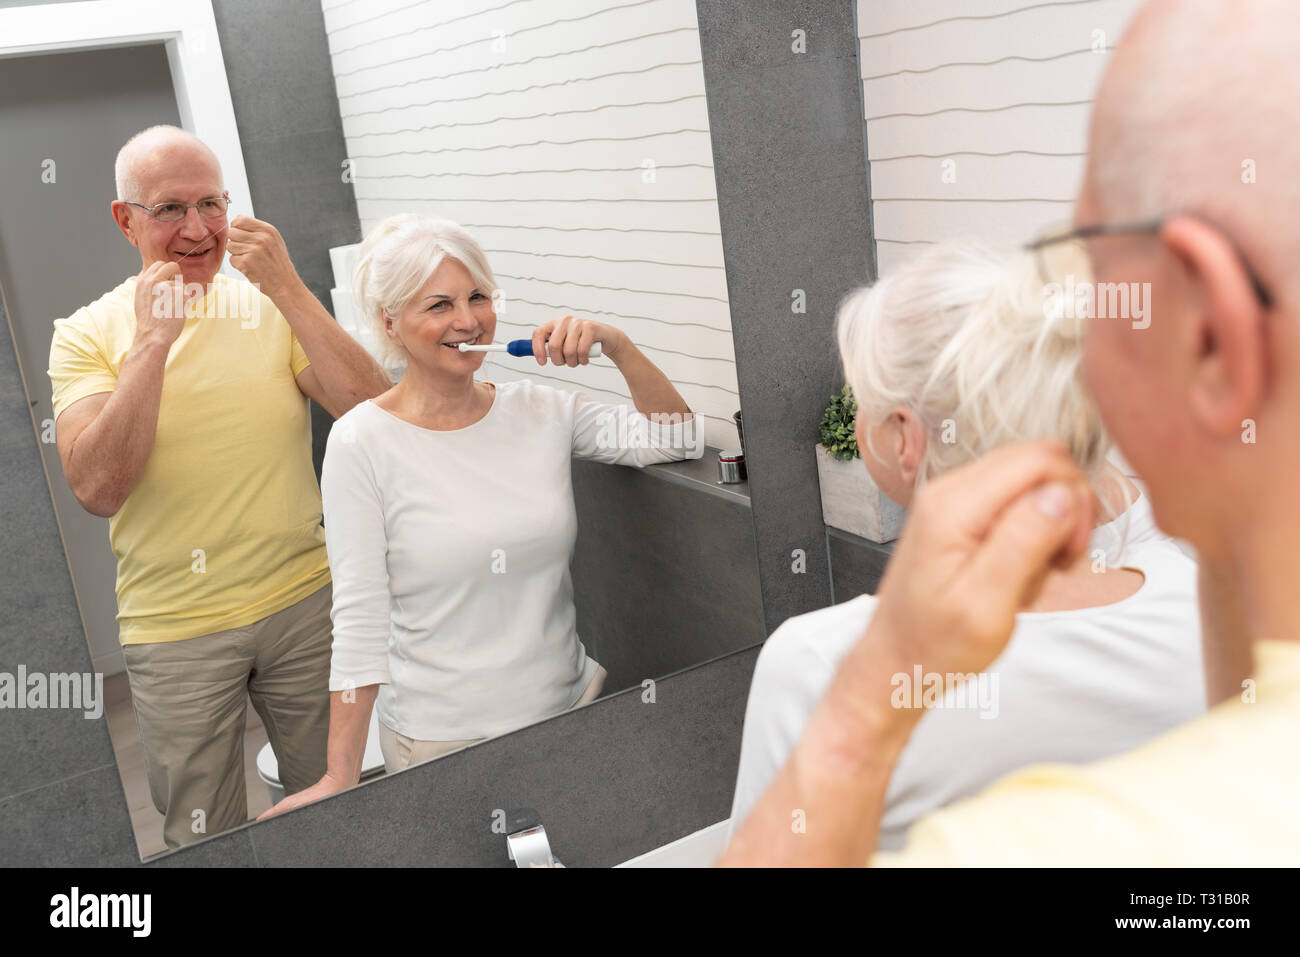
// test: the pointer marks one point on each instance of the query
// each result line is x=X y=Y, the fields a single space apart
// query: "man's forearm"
x=824 y=808
x=346 y=371
x=109 y=456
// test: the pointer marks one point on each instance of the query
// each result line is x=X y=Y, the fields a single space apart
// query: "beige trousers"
x=400 y=752
x=190 y=700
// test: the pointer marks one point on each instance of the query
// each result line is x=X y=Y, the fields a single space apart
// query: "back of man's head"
x=1193 y=127
x=1196 y=112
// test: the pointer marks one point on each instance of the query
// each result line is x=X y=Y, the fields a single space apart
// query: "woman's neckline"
x=464 y=428
x=1102 y=609
x=1086 y=611
x=1142 y=566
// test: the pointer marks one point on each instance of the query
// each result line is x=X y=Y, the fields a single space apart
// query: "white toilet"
x=372 y=764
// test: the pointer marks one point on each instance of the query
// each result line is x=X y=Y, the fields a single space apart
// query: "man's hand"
x=341 y=373
x=159 y=304
x=980 y=540
x=258 y=251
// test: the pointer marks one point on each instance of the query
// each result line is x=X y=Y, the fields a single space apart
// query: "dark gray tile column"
x=793 y=195
x=287 y=112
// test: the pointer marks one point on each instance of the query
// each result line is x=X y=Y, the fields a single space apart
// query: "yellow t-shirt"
x=224 y=526
x=1222 y=790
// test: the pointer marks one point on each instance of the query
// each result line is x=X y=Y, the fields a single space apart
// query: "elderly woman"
x=449 y=511
x=951 y=356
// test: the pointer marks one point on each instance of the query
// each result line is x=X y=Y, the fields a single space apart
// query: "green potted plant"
x=850 y=499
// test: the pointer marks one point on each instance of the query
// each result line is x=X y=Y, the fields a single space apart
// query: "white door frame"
x=188 y=31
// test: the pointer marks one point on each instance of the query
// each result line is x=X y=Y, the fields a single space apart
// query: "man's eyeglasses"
x=214 y=207
x=1061 y=252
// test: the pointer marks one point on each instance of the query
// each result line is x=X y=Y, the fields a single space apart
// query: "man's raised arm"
x=342 y=373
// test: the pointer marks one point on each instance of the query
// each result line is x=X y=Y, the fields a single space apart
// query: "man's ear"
x=122 y=216
x=910 y=435
x=1230 y=363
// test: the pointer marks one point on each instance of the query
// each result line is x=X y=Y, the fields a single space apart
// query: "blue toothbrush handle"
x=524 y=347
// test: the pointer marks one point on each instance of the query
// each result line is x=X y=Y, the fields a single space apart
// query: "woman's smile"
x=454 y=344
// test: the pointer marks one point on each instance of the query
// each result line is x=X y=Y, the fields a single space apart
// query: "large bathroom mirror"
x=571 y=140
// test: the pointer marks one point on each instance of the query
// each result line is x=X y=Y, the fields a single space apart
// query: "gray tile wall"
x=793 y=195
x=665 y=575
x=856 y=564
x=287 y=112
x=61 y=799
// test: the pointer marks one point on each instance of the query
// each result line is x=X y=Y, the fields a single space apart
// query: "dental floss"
x=204 y=240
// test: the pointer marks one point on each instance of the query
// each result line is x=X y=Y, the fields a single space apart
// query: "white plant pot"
x=852 y=502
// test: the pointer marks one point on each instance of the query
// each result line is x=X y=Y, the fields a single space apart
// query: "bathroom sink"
x=700 y=849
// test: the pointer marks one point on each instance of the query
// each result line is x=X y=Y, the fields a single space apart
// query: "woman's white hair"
x=398 y=256
x=964 y=336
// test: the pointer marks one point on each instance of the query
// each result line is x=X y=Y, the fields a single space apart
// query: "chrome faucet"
x=526 y=842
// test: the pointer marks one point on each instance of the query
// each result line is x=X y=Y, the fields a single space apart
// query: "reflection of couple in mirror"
x=449 y=517
x=449 y=511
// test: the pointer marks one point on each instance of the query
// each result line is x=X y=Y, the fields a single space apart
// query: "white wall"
x=996 y=92
x=531 y=125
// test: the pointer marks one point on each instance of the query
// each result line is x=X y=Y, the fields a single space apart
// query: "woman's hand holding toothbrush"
x=568 y=341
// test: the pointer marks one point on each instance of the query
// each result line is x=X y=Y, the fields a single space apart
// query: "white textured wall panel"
x=533 y=124
x=977 y=113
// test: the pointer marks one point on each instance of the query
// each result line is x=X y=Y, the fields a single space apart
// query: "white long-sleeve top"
x=450 y=551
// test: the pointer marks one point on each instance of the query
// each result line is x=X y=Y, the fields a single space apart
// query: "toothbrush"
x=519 y=347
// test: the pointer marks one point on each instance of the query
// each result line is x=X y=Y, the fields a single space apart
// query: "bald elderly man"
x=180 y=400
x=1191 y=182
